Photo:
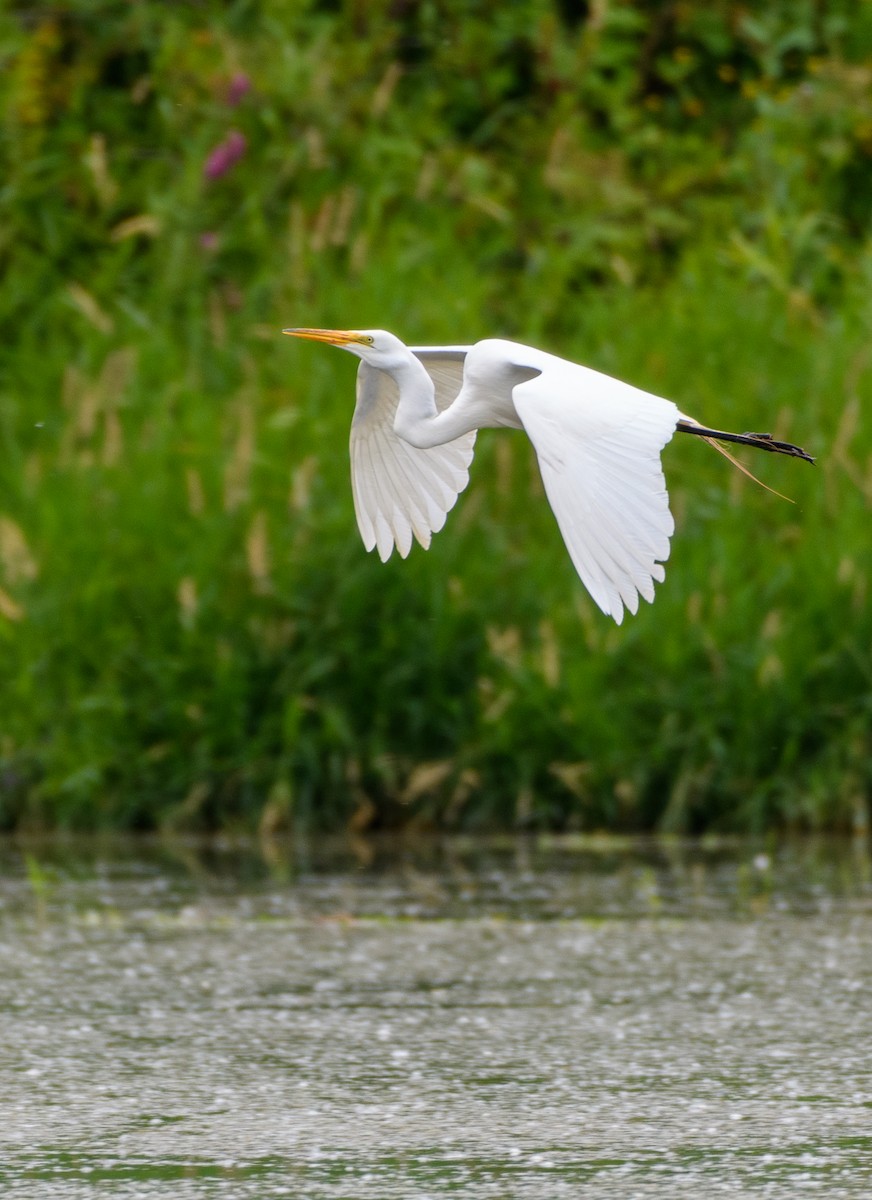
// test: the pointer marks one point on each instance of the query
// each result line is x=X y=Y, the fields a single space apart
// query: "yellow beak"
x=334 y=337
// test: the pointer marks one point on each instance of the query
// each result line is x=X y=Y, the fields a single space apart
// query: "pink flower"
x=238 y=87
x=225 y=155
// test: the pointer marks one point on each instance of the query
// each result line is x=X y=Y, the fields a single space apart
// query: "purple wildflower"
x=238 y=87
x=225 y=155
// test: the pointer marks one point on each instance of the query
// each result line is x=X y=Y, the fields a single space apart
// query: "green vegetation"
x=191 y=634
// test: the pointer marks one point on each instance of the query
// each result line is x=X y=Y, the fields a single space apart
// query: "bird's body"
x=598 y=442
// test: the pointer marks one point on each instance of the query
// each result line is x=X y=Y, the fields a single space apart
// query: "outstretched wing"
x=598 y=442
x=399 y=490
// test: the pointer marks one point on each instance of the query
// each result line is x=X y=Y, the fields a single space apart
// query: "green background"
x=192 y=636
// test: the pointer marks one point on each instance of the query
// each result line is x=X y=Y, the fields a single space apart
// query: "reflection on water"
x=531 y=878
x=520 y=1019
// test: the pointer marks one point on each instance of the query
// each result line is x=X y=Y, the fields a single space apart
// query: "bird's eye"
x=369 y=340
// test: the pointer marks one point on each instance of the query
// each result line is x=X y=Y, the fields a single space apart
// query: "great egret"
x=598 y=443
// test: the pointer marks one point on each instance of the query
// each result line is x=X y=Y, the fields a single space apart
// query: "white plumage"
x=399 y=490
x=598 y=443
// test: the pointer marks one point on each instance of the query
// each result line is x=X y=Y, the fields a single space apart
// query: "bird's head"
x=375 y=346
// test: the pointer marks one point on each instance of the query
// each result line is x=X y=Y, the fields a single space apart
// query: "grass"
x=191 y=635
x=203 y=640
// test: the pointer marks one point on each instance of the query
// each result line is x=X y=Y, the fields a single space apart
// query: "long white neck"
x=417 y=420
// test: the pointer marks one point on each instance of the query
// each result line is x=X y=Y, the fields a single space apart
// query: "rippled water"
x=529 y=1019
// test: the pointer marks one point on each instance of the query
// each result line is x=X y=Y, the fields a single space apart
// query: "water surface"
x=532 y=1019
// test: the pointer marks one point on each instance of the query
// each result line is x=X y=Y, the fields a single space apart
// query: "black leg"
x=761 y=441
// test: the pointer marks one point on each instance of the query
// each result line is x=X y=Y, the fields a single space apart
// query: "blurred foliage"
x=190 y=633
x=585 y=142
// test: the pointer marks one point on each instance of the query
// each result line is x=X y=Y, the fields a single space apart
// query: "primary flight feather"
x=597 y=440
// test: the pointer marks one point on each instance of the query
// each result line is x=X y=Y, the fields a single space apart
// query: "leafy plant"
x=190 y=633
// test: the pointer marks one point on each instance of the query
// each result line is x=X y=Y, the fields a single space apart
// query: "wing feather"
x=598 y=443
x=400 y=491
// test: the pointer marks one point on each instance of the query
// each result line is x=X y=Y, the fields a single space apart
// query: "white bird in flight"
x=598 y=442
